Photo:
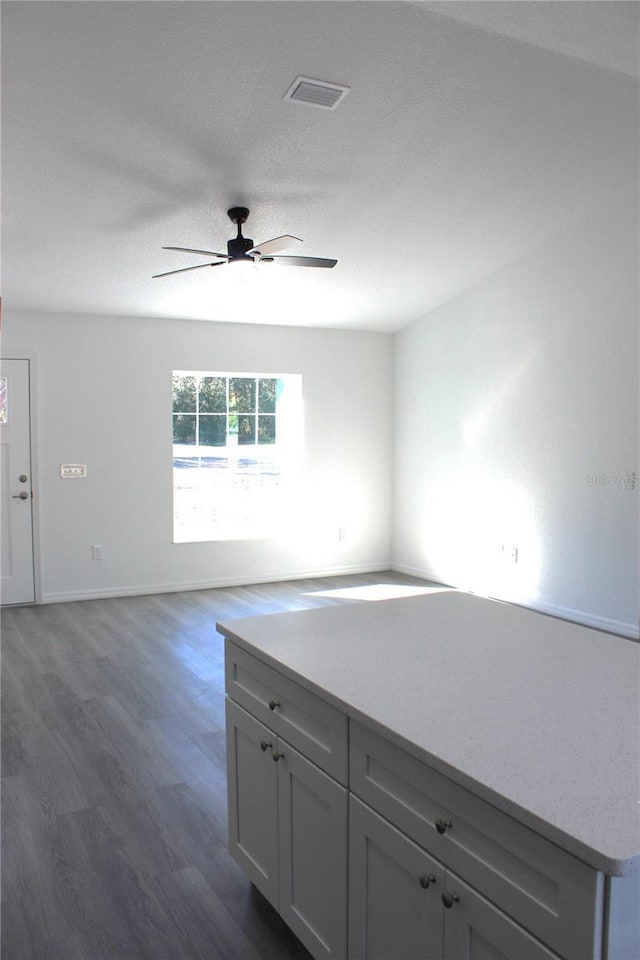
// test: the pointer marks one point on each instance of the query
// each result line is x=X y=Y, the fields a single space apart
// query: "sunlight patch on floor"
x=378 y=591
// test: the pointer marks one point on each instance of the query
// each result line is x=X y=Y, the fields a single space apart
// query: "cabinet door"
x=544 y=888
x=313 y=814
x=252 y=794
x=476 y=930
x=395 y=889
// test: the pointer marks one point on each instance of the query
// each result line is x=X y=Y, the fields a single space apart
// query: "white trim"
x=618 y=627
x=31 y=357
x=96 y=593
x=36 y=480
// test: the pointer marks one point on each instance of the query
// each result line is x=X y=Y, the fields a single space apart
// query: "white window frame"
x=237 y=491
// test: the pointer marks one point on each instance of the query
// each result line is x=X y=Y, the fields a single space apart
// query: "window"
x=236 y=439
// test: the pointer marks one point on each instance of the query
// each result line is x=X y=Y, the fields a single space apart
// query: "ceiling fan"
x=242 y=250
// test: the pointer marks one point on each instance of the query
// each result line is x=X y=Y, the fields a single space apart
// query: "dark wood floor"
x=113 y=779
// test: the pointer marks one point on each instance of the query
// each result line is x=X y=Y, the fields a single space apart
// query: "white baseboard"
x=582 y=617
x=138 y=590
x=609 y=625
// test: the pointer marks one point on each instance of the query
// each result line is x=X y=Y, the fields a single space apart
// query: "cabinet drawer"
x=314 y=727
x=547 y=890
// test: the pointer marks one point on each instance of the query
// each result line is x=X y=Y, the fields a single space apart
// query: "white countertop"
x=539 y=716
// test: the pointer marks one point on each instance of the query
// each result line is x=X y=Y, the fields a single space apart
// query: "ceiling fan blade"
x=272 y=246
x=198 y=266
x=300 y=261
x=208 y=253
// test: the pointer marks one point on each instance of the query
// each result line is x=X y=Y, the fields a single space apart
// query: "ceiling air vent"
x=316 y=93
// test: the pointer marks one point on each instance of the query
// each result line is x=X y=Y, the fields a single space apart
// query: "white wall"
x=103 y=389
x=509 y=400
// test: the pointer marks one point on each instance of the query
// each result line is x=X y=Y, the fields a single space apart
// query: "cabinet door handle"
x=273 y=704
x=426 y=880
x=449 y=899
x=441 y=825
x=264 y=745
x=277 y=756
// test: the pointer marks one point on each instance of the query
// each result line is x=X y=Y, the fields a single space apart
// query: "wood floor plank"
x=130 y=741
x=102 y=755
x=213 y=745
x=12 y=748
x=211 y=929
x=31 y=858
x=191 y=764
x=114 y=814
x=131 y=892
x=32 y=749
x=202 y=714
x=199 y=830
x=17 y=934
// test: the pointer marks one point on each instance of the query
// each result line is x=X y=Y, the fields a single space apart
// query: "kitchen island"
x=448 y=769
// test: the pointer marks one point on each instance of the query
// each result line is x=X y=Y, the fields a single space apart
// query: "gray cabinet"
x=288 y=831
x=406 y=905
x=328 y=815
x=548 y=892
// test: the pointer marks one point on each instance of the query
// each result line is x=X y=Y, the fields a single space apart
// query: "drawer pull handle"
x=441 y=825
x=273 y=704
x=449 y=899
x=264 y=745
x=277 y=756
x=426 y=880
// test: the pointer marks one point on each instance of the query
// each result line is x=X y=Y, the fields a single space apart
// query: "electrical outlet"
x=342 y=534
x=97 y=552
x=509 y=553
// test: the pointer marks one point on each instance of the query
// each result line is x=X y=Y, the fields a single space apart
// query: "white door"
x=16 y=571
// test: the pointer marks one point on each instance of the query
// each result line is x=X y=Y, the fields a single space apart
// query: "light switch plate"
x=73 y=471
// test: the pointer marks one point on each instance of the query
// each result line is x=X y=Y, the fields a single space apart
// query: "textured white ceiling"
x=470 y=135
x=602 y=33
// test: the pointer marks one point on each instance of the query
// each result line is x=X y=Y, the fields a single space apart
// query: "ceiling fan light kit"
x=241 y=249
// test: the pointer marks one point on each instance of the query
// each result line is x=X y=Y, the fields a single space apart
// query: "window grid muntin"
x=257 y=433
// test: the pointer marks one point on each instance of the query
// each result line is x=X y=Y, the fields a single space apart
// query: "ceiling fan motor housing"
x=237 y=248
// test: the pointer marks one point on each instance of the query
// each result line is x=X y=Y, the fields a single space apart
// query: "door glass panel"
x=4 y=401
